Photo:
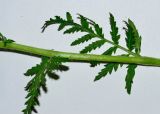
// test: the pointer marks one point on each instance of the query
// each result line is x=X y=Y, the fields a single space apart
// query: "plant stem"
x=75 y=57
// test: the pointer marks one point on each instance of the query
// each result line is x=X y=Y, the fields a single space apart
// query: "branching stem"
x=75 y=57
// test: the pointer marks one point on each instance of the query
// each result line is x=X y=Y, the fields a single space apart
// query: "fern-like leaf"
x=99 y=31
x=91 y=22
x=136 y=36
x=69 y=17
x=130 y=40
x=84 y=22
x=83 y=39
x=108 y=68
x=93 y=46
x=110 y=51
x=114 y=30
x=73 y=30
x=51 y=21
x=130 y=76
x=40 y=71
x=133 y=39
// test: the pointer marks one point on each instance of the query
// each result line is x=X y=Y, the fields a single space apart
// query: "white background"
x=75 y=92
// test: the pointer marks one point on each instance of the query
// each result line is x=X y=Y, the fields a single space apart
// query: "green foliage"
x=93 y=30
x=110 y=51
x=84 y=22
x=114 y=30
x=133 y=39
x=86 y=25
x=129 y=77
x=47 y=67
x=83 y=39
x=133 y=42
x=137 y=37
x=69 y=17
x=108 y=68
x=93 y=46
x=99 y=31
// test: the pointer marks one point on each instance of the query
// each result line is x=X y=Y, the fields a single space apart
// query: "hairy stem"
x=75 y=57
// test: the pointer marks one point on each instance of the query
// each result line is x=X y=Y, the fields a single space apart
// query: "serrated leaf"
x=57 y=20
x=110 y=51
x=93 y=46
x=69 y=17
x=129 y=77
x=98 y=30
x=34 y=70
x=39 y=80
x=63 y=23
x=94 y=63
x=133 y=39
x=44 y=88
x=136 y=36
x=73 y=30
x=61 y=26
x=114 y=30
x=89 y=20
x=84 y=22
x=130 y=40
x=62 y=68
x=83 y=39
x=53 y=75
x=108 y=68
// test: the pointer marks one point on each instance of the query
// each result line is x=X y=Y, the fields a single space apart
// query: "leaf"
x=136 y=36
x=34 y=70
x=110 y=51
x=133 y=39
x=38 y=82
x=62 y=68
x=64 y=23
x=83 y=39
x=98 y=30
x=53 y=75
x=73 y=30
x=108 y=68
x=93 y=46
x=69 y=17
x=61 y=26
x=130 y=40
x=129 y=77
x=51 y=21
x=114 y=30
x=84 y=22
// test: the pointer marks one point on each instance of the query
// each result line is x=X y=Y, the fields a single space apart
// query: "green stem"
x=75 y=57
